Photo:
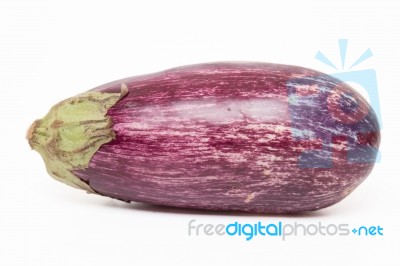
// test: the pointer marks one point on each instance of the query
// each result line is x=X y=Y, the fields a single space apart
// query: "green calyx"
x=73 y=130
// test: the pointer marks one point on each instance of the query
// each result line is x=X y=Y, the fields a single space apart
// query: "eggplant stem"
x=71 y=133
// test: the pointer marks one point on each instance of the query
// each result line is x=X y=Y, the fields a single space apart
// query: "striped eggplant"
x=237 y=136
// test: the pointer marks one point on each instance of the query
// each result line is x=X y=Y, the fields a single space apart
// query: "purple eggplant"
x=237 y=136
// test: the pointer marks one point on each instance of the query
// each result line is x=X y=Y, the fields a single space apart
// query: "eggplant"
x=236 y=136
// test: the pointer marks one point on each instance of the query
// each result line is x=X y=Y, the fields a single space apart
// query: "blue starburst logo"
x=343 y=52
x=366 y=78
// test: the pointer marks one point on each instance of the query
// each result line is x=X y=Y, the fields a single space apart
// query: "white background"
x=50 y=50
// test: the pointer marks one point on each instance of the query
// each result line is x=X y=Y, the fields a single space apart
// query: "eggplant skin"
x=238 y=136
